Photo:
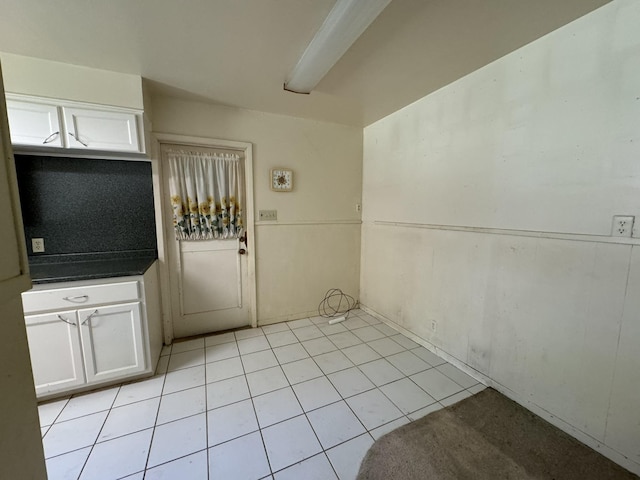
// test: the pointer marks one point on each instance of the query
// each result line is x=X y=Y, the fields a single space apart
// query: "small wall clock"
x=281 y=180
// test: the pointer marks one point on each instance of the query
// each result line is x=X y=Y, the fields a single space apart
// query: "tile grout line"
x=58 y=414
x=206 y=409
x=323 y=451
x=290 y=386
x=342 y=399
x=255 y=414
x=377 y=387
x=84 y=465
x=153 y=433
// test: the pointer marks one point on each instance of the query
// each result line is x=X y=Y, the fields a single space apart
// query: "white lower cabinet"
x=88 y=346
x=84 y=334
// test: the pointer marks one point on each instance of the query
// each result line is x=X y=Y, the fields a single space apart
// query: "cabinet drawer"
x=79 y=297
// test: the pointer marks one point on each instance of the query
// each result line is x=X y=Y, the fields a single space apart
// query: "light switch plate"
x=269 y=215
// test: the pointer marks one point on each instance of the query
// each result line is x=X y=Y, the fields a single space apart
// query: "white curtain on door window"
x=207 y=195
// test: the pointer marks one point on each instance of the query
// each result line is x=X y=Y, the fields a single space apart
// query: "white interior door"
x=209 y=279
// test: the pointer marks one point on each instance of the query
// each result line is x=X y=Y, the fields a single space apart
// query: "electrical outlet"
x=37 y=245
x=434 y=326
x=268 y=215
x=358 y=207
x=622 y=226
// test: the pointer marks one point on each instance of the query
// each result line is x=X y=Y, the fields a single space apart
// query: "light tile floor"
x=296 y=400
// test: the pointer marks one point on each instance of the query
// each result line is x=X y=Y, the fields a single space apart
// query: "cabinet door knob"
x=65 y=320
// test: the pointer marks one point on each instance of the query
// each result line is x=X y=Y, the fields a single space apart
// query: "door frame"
x=162 y=233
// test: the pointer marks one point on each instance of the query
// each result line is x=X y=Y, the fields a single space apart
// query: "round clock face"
x=281 y=179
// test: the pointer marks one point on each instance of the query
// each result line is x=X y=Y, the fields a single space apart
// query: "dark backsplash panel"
x=82 y=206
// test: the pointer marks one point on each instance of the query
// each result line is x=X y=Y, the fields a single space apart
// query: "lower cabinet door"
x=112 y=341
x=56 y=355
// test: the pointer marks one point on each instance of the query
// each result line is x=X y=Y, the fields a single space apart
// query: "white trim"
x=578 y=237
x=581 y=436
x=12 y=287
x=429 y=346
x=157 y=139
x=60 y=102
x=266 y=223
x=288 y=317
x=76 y=153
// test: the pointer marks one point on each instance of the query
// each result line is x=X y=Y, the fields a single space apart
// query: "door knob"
x=242 y=251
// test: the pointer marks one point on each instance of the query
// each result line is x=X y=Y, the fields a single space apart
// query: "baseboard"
x=432 y=348
x=286 y=318
x=579 y=435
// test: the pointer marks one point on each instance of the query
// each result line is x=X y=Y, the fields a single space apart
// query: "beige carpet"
x=486 y=436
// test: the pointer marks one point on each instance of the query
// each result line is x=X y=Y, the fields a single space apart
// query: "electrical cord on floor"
x=336 y=303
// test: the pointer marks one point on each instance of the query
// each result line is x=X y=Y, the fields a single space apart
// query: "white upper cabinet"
x=63 y=124
x=102 y=130
x=34 y=124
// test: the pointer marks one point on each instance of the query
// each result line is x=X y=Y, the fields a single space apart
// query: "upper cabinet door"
x=34 y=124
x=102 y=130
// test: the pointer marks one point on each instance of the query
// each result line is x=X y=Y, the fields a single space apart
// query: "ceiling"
x=239 y=52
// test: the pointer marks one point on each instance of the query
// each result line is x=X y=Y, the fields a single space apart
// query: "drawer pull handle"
x=77 y=139
x=77 y=298
x=50 y=138
x=89 y=317
x=65 y=320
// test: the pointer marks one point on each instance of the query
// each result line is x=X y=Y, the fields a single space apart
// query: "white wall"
x=487 y=209
x=315 y=244
x=44 y=78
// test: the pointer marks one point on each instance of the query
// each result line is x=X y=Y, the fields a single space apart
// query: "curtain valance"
x=207 y=194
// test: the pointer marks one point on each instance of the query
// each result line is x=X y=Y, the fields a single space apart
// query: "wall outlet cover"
x=37 y=245
x=622 y=226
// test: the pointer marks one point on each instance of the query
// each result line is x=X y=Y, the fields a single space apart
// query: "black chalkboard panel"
x=86 y=205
